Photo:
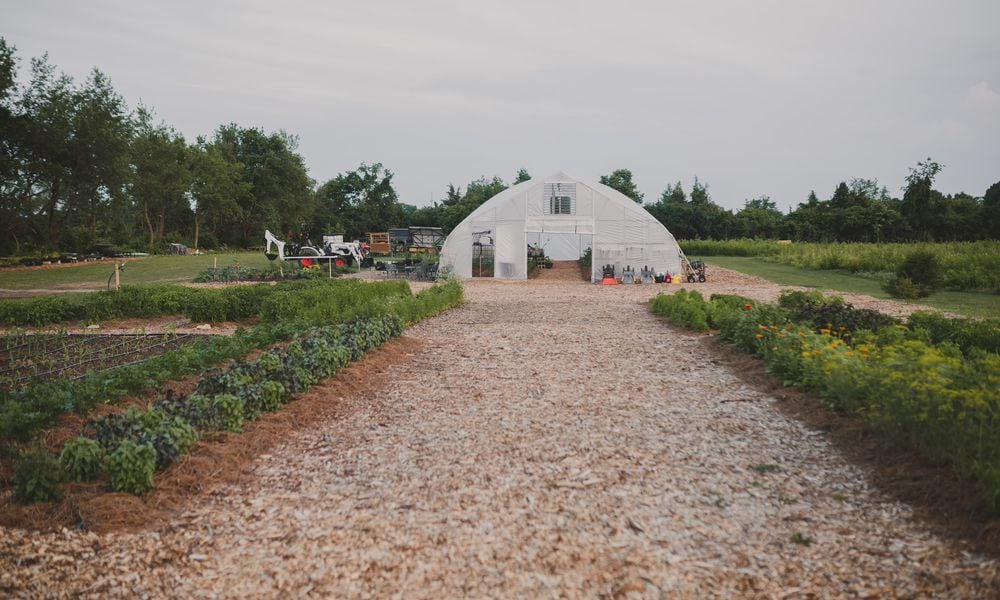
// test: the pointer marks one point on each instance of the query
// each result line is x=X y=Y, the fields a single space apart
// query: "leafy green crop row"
x=933 y=383
x=233 y=303
x=24 y=412
x=130 y=446
x=967 y=265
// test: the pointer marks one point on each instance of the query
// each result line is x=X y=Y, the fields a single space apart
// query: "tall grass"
x=967 y=265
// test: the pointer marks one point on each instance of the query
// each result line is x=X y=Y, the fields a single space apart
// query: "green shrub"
x=131 y=467
x=82 y=459
x=841 y=319
x=796 y=299
x=684 y=308
x=113 y=429
x=272 y=396
x=228 y=412
x=923 y=268
x=37 y=478
x=967 y=334
x=900 y=286
x=170 y=438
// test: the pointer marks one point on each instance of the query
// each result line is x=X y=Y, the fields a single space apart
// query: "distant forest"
x=80 y=168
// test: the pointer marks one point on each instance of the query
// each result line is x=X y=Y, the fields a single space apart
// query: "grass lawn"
x=966 y=303
x=154 y=269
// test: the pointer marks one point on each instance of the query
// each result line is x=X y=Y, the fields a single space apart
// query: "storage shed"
x=564 y=216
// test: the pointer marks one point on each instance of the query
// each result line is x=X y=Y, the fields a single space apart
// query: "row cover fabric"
x=620 y=231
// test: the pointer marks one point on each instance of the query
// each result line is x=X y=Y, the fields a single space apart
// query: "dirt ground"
x=550 y=438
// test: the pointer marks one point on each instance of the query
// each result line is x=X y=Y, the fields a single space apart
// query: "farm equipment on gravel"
x=333 y=249
x=694 y=270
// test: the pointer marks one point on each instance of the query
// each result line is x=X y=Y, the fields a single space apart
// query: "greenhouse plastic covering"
x=534 y=212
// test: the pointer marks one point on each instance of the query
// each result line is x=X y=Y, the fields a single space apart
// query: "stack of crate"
x=379 y=243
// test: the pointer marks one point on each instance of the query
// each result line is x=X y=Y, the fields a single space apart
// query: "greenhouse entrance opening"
x=482 y=254
x=560 y=246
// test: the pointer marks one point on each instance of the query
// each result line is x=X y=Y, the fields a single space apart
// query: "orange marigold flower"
x=747 y=306
x=760 y=336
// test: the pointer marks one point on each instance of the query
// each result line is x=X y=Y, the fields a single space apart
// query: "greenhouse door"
x=482 y=254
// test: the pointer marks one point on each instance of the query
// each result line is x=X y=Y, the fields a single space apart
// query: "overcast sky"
x=753 y=98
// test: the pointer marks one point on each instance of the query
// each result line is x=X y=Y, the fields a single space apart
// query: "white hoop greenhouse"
x=564 y=216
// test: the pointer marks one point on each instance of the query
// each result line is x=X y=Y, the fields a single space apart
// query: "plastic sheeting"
x=620 y=231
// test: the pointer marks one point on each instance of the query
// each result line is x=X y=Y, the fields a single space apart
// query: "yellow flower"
x=760 y=336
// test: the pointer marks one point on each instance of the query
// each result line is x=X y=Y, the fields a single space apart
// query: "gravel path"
x=550 y=439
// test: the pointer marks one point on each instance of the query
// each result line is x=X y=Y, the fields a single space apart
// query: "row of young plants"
x=239 y=273
x=25 y=411
x=965 y=265
x=931 y=383
x=234 y=303
x=129 y=447
x=69 y=356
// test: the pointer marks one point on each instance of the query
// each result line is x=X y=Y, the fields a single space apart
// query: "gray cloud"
x=756 y=98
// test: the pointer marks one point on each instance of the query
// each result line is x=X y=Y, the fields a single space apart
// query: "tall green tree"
x=919 y=198
x=358 y=202
x=102 y=134
x=621 y=180
x=476 y=193
x=695 y=218
x=991 y=211
x=521 y=177
x=760 y=218
x=11 y=139
x=162 y=178
x=674 y=211
x=43 y=183
x=216 y=187
x=280 y=194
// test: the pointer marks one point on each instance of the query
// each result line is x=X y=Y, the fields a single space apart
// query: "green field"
x=973 y=304
x=968 y=266
x=154 y=269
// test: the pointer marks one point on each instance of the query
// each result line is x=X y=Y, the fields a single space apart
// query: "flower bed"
x=932 y=383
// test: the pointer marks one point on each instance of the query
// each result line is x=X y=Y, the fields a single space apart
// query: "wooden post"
x=329 y=264
x=118 y=276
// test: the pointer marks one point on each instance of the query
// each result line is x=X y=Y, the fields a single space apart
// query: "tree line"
x=79 y=168
x=859 y=210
